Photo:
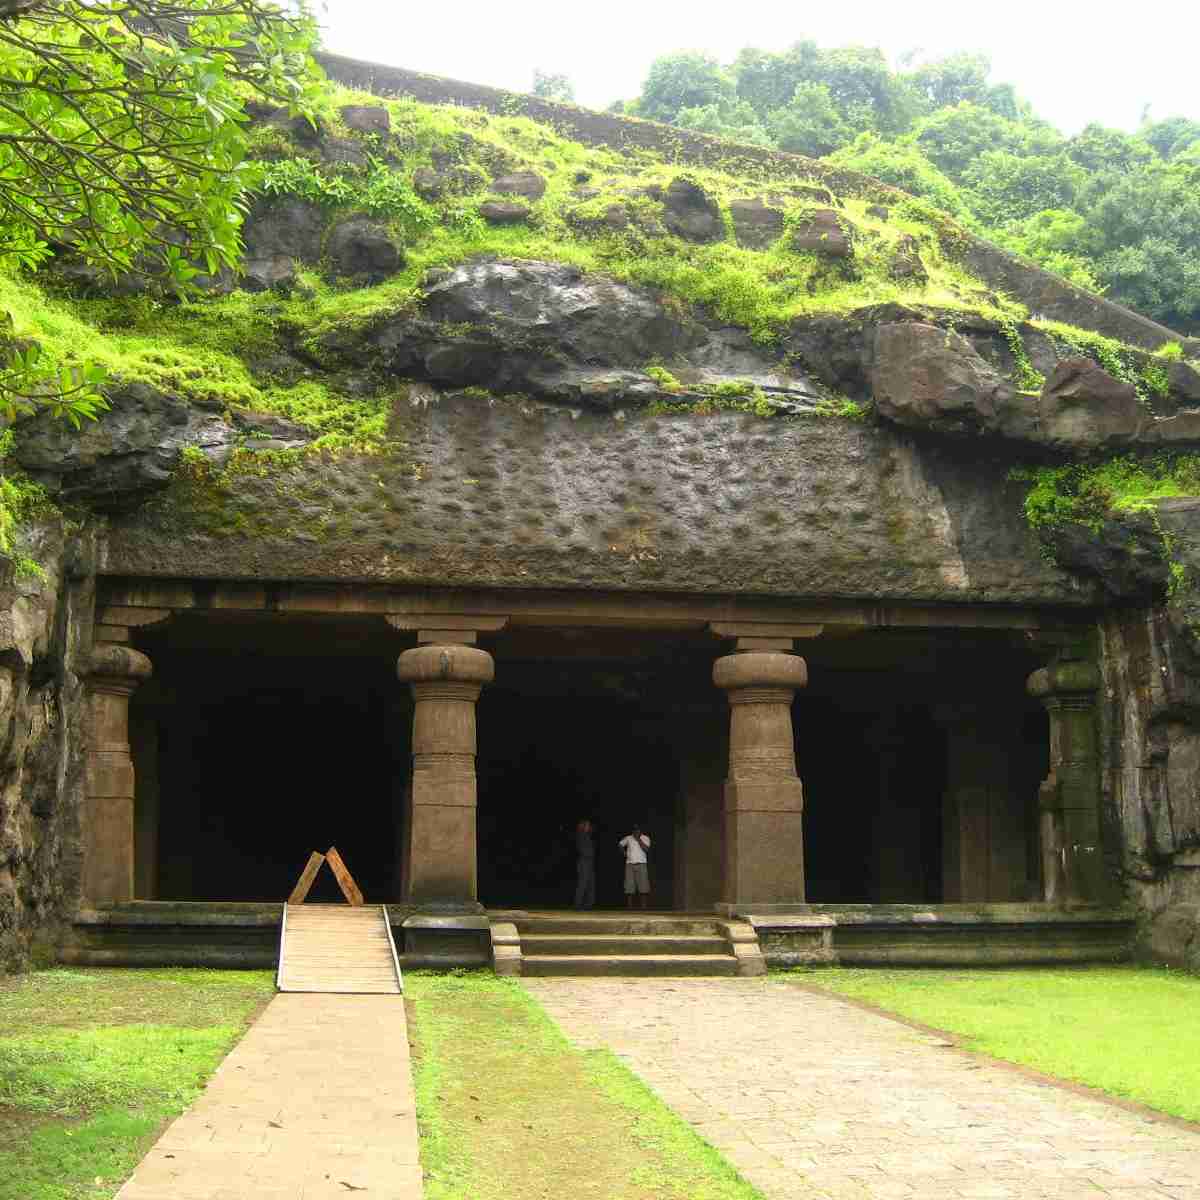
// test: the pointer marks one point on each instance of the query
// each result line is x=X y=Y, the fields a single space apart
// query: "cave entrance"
x=256 y=744
x=258 y=741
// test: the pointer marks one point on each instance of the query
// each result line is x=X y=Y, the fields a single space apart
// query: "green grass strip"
x=1130 y=1031
x=508 y=1108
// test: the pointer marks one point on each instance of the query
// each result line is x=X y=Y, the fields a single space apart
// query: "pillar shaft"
x=440 y=856
x=108 y=819
x=763 y=799
x=1069 y=798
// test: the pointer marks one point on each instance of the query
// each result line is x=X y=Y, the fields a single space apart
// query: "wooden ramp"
x=337 y=948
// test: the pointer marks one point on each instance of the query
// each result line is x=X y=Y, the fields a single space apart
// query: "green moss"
x=21 y=500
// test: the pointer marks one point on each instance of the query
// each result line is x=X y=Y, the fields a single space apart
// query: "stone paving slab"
x=811 y=1097
x=316 y=1101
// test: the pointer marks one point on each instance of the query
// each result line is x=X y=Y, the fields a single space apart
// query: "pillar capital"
x=451 y=664
x=1064 y=679
x=117 y=668
x=770 y=670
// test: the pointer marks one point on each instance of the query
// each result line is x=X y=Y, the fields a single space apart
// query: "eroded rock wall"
x=44 y=625
x=1151 y=749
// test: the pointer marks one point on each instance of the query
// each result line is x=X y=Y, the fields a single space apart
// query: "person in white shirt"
x=637 y=867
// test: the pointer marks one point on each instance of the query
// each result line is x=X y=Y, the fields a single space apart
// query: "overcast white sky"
x=1076 y=61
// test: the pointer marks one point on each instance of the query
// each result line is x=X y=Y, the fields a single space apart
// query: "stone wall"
x=45 y=628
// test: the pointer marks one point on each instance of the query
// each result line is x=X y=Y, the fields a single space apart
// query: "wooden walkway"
x=337 y=948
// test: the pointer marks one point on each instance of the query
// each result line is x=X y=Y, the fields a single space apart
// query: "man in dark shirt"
x=585 y=865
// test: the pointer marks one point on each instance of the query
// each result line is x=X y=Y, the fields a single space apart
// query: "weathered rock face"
x=823 y=234
x=932 y=379
x=1084 y=408
x=1151 y=746
x=551 y=332
x=134 y=449
x=489 y=493
x=45 y=631
x=755 y=224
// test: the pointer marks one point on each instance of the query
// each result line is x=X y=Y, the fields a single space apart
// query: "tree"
x=678 y=81
x=810 y=124
x=903 y=165
x=122 y=139
x=768 y=82
x=733 y=119
x=1172 y=136
x=553 y=87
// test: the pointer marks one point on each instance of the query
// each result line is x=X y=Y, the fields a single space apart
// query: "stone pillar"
x=446 y=679
x=108 y=818
x=764 y=801
x=1069 y=798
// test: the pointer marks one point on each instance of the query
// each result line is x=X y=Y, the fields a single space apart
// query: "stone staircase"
x=526 y=943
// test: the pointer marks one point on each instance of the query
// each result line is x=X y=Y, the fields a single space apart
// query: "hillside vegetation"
x=1109 y=210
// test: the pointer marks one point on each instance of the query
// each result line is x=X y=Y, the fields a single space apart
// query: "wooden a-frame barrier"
x=340 y=872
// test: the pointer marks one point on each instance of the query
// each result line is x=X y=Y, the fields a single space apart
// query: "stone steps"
x=621 y=945
x=630 y=964
x=630 y=944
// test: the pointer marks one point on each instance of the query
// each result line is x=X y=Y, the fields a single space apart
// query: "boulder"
x=1082 y=408
x=879 y=211
x=362 y=249
x=614 y=219
x=432 y=183
x=821 y=232
x=366 y=118
x=1184 y=382
x=285 y=225
x=520 y=183
x=504 y=212
x=691 y=213
x=933 y=379
x=277 y=273
x=755 y=224
x=266 y=431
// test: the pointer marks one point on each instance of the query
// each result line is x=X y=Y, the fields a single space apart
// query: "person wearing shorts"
x=637 y=867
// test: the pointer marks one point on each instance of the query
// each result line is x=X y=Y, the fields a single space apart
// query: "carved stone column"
x=764 y=801
x=1069 y=798
x=446 y=681
x=108 y=819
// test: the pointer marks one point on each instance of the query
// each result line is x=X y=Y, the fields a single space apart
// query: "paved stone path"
x=811 y=1097
x=315 y=1102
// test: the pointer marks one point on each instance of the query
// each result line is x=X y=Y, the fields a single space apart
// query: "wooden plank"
x=305 y=882
x=343 y=876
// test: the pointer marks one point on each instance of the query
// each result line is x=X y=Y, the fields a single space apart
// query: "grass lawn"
x=1133 y=1032
x=509 y=1110
x=93 y=1062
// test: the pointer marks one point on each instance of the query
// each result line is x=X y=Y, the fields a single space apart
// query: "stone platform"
x=246 y=935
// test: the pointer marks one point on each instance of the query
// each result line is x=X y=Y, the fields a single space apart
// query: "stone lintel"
x=562 y=608
x=446 y=628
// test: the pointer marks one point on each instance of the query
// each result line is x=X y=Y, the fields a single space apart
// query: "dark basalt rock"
x=755 y=224
x=614 y=219
x=452 y=179
x=287 y=226
x=366 y=118
x=521 y=183
x=130 y=452
x=822 y=233
x=1124 y=555
x=504 y=212
x=691 y=213
x=361 y=249
x=551 y=332
x=933 y=379
x=1082 y=407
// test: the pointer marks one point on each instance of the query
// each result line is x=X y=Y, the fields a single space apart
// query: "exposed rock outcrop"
x=755 y=223
x=1083 y=408
x=45 y=629
x=552 y=332
x=691 y=213
x=822 y=233
x=361 y=249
